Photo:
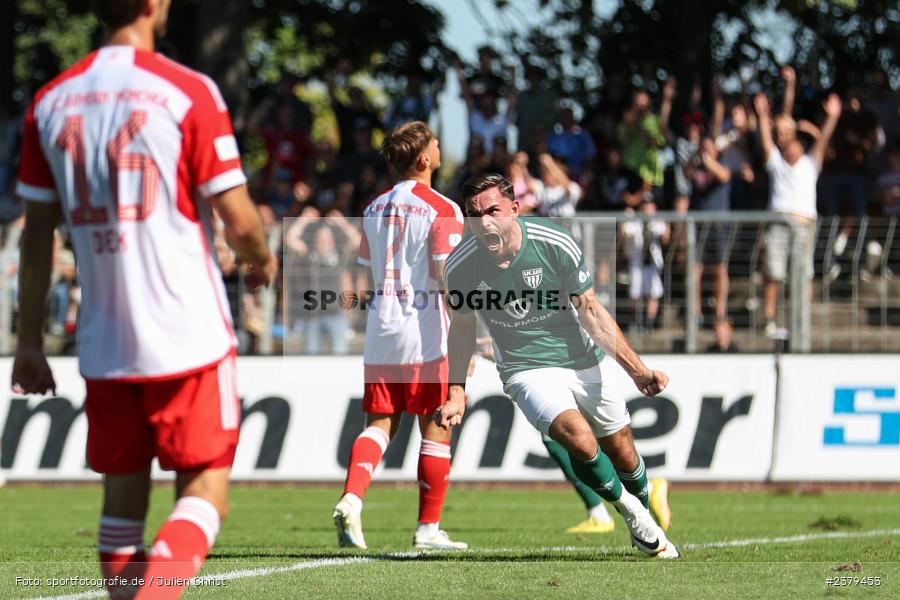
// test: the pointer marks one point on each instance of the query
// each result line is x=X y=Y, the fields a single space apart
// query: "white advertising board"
x=301 y=415
x=839 y=419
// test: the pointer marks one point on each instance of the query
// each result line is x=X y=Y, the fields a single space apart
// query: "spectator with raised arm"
x=555 y=193
x=845 y=185
x=485 y=118
x=710 y=182
x=320 y=250
x=789 y=75
x=793 y=174
x=641 y=136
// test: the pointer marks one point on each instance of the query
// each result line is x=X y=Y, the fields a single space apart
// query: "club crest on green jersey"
x=533 y=277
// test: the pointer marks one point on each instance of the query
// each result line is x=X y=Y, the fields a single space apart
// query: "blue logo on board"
x=870 y=417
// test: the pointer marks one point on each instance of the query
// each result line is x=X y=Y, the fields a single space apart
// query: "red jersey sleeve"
x=212 y=150
x=35 y=178
x=446 y=233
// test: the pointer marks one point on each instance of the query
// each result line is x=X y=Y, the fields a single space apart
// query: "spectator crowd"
x=660 y=146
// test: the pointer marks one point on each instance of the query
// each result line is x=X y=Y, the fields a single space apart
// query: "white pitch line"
x=336 y=562
x=807 y=537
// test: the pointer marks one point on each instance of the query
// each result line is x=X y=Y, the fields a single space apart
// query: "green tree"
x=832 y=43
x=245 y=46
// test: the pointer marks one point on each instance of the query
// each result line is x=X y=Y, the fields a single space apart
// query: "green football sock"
x=636 y=482
x=562 y=458
x=599 y=475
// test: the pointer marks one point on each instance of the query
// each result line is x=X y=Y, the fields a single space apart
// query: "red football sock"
x=365 y=455
x=180 y=548
x=122 y=558
x=434 y=478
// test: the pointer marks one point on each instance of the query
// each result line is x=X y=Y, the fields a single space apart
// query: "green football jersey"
x=526 y=306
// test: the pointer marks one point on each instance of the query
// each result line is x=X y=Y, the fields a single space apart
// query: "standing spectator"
x=641 y=137
x=793 y=175
x=321 y=251
x=485 y=118
x=845 y=177
x=737 y=145
x=288 y=146
x=156 y=340
x=687 y=149
x=353 y=116
x=643 y=242
x=535 y=108
x=710 y=182
x=414 y=104
x=572 y=144
x=617 y=185
x=486 y=79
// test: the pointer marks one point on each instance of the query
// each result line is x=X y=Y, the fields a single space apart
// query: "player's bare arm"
x=605 y=332
x=244 y=232
x=31 y=373
x=460 y=347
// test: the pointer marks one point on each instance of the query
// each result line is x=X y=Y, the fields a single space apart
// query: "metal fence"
x=851 y=302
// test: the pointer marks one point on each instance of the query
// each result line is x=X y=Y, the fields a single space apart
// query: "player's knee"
x=583 y=446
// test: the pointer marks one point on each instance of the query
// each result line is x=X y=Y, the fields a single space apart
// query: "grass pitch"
x=280 y=543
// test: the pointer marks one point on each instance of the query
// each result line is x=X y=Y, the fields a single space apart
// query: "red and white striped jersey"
x=405 y=231
x=133 y=145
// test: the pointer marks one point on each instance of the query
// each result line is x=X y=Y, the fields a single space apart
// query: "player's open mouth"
x=492 y=241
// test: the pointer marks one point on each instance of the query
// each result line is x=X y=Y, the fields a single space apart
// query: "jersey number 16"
x=71 y=140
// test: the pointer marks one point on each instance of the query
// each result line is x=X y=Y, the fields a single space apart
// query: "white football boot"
x=646 y=535
x=348 y=520
x=437 y=541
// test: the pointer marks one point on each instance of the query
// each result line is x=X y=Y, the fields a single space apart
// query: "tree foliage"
x=831 y=43
x=244 y=45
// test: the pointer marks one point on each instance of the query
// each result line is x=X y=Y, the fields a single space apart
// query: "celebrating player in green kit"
x=529 y=281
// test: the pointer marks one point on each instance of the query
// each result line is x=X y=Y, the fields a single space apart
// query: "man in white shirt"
x=793 y=175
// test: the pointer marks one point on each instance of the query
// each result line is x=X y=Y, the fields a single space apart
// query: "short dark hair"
x=117 y=13
x=403 y=145
x=481 y=183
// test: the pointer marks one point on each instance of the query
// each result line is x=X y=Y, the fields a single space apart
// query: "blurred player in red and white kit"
x=408 y=233
x=134 y=150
